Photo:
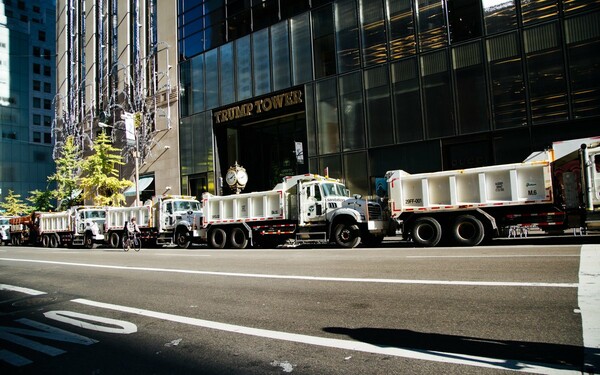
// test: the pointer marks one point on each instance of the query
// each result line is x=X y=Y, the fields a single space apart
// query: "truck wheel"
x=53 y=242
x=45 y=240
x=346 y=235
x=88 y=241
x=182 y=238
x=217 y=238
x=468 y=231
x=114 y=240
x=238 y=238
x=427 y=231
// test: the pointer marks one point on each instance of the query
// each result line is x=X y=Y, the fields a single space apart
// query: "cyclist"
x=133 y=231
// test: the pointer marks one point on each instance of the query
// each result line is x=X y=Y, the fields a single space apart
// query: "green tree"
x=68 y=168
x=13 y=205
x=41 y=200
x=100 y=180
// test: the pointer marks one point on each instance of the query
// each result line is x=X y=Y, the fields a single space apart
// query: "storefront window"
x=471 y=89
x=301 y=49
x=583 y=49
x=243 y=68
x=346 y=37
x=546 y=73
x=379 y=119
x=439 y=112
x=499 y=15
x=508 y=87
x=281 y=56
x=372 y=26
x=352 y=111
x=402 y=28
x=407 y=100
x=328 y=132
x=261 y=62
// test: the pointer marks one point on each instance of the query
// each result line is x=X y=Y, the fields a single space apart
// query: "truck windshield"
x=94 y=214
x=3 y=221
x=334 y=190
x=187 y=206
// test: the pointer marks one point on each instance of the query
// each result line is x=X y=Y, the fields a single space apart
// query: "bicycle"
x=132 y=239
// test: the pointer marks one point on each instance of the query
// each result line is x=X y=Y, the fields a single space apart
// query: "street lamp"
x=130 y=132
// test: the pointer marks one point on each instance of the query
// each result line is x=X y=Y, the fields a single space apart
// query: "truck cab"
x=89 y=224
x=178 y=219
x=4 y=230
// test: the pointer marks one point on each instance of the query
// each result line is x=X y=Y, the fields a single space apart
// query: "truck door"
x=167 y=215
x=311 y=203
x=596 y=179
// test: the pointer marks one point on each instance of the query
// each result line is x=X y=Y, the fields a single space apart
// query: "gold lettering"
x=288 y=98
x=277 y=101
x=267 y=104
x=260 y=106
x=257 y=105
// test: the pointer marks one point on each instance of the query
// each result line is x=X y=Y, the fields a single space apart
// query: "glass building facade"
x=419 y=85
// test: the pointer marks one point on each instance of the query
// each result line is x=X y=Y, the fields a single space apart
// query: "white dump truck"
x=77 y=226
x=4 y=230
x=554 y=190
x=170 y=219
x=304 y=209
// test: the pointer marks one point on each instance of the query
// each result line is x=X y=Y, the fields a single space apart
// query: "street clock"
x=236 y=177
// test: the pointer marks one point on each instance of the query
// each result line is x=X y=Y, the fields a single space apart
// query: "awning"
x=143 y=184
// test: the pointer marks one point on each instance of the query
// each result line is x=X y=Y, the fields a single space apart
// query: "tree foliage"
x=100 y=181
x=41 y=200
x=68 y=168
x=13 y=205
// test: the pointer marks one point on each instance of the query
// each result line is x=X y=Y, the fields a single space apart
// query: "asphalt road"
x=395 y=310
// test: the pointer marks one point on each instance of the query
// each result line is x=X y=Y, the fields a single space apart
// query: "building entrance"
x=267 y=149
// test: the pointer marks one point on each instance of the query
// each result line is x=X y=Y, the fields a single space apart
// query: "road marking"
x=589 y=304
x=19 y=289
x=495 y=256
x=308 y=278
x=183 y=255
x=419 y=354
x=83 y=321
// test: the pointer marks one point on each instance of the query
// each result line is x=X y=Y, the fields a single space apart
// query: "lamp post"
x=130 y=131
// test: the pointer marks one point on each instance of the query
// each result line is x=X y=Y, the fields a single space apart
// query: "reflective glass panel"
x=546 y=73
x=508 y=87
x=323 y=42
x=431 y=24
x=197 y=64
x=580 y=5
x=281 y=56
x=185 y=92
x=301 y=49
x=243 y=68
x=261 y=62
x=227 y=74
x=328 y=132
x=499 y=15
x=374 y=48
x=355 y=173
x=465 y=19
x=348 y=57
x=309 y=102
x=379 y=119
x=407 y=100
x=402 y=28
x=471 y=89
x=212 y=78
x=333 y=164
x=439 y=111
x=352 y=111
x=538 y=10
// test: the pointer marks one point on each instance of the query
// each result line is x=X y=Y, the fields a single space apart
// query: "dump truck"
x=554 y=190
x=77 y=226
x=169 y=220
x=303 y=209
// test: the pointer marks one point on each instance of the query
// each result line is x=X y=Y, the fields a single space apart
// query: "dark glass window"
x=291 y=8
x=47 y=138
x=280 y=50
x=356 y=173
x=580 y=5
x=243 y=68
x=227 y=74
x=37 y=85
x=437 y=96
x=431 y=24
x=374 y=49
x=499 y=15
x=333 y=164
x=469 y=74
x=193 y=45
x=47 y=104
x=507 y=84
x=212 y=78
x=47 y=87
x=185 y=92
x=402 y=28
x=352 y=111
x=583 y=49
x=538 y=10
x=465 y=19
x=323 y=42
x=42 y=36
x=37 y=137
x=37 y=103
x=239 y=25
x=261 y=62
x=346 y=29
x=37 y=119
x=407 y=100
x=47 y=121
x=301 y=49
x=197 y=94
x=311 y=136
x=328 y=132
x=546 y=73
x=264 y=13
x=379 y=119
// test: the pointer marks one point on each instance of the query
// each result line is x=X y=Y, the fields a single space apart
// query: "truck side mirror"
x=357 y=196
x=319 y=209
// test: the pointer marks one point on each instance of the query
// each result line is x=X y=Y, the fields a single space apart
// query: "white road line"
x=183 y=255
x=307 y=278
x=496 y=256
x=589 y=304
x=20 y=289
x=418 y=354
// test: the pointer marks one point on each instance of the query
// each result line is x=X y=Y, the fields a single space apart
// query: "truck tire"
x=238 y=238
x=217 y=238
x=427 y=231
x=88 y=241
x=467 y=231
x=182 y=238
x=114 y=240
x=346 y=235
x=45 y=240
x=53 y=242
